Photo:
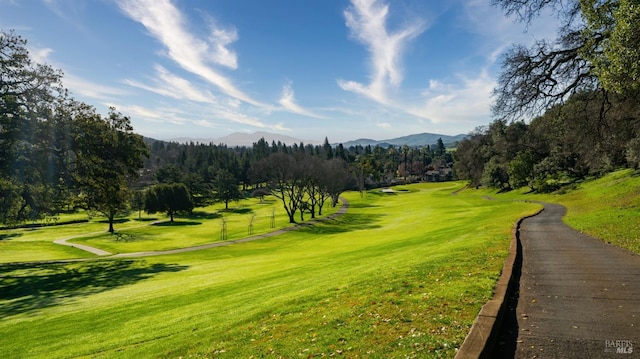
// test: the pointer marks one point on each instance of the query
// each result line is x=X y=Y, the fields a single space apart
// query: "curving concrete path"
x=578 y=296
x=84 y=247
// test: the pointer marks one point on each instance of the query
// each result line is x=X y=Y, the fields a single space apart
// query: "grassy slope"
x=607 y=208
x=400 y=275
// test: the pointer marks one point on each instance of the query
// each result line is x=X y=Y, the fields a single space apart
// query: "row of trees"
x=302 y=176
x=568 y=143
x=302 y=182
x=198 y=164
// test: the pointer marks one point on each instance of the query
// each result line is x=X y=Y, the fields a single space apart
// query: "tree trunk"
x=111 y=230
x=291 y=214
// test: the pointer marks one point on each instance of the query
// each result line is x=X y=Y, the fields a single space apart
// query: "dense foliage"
x=57 y=153
x=582 y=91
x=170 y=198
x=302 y=176
x=568 y=143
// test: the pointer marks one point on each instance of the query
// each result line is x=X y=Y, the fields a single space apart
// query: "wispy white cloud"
x=280 y=127
x=40 y=55
x=367 y=21
x=219 y=39
x=83 y=87
x=161 y=115
x=460 y=100
x=166 y=23
x=168 y=84
x=464 y=103
x=289 y=103
x=206 y=123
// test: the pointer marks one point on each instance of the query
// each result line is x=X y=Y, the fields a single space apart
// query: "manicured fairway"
x=204 y=226
x=400 y=275
x=147 y=233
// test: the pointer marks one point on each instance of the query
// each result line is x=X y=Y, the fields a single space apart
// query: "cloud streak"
x=168 y=84
x=465 y=103
x=165 y=22
x=367 y=21
x=288 y=102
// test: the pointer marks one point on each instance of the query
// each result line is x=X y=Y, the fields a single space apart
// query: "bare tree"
x=286 y=177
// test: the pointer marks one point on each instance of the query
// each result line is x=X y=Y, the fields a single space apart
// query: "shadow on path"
x=28 y=287
x=507 y=336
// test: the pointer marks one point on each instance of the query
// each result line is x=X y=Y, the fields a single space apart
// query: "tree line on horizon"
x=302 y=176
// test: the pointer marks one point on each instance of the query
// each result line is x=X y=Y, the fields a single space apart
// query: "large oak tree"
x=597 y=48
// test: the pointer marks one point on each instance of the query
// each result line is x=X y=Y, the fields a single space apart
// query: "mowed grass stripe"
x=398 y=275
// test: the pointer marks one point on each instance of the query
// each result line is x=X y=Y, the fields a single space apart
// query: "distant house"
x=440 y=175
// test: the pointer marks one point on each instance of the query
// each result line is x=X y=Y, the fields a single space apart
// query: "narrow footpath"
x=84 y=247
x=579 y=297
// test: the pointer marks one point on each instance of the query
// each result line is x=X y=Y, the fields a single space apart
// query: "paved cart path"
x=84 y=247
x=579 y=297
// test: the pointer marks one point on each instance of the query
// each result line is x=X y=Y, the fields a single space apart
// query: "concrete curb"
x=481 y=339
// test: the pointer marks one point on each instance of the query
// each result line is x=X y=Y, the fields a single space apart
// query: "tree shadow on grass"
x=244 y=210
x=362 y=205
x=4 y=237
x=25 y=288
x=202 y=215
x=347 y=222
x=177 y=223
x=115 y=221
x=146 y=219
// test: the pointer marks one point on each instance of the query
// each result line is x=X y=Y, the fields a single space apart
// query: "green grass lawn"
x=146 y=232
x=400 y=275
x=32 y=244
x=607 y=208
x=203 y=226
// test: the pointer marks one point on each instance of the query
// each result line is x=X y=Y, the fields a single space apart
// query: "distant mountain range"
x=416 y=140
x=248 y=139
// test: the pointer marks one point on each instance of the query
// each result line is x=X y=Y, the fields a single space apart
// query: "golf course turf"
x=400 y=274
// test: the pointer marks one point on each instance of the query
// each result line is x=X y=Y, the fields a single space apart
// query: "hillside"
x=415 y=140
x=248 y=139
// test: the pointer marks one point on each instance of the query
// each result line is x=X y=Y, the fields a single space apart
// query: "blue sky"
x=304 y=68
